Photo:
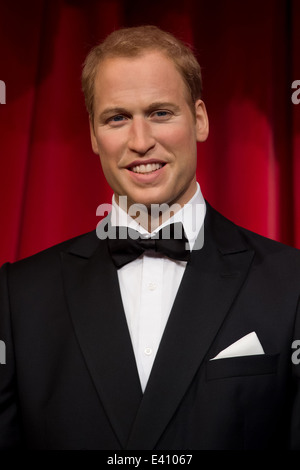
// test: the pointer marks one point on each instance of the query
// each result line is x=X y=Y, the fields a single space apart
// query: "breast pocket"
x=241 y=366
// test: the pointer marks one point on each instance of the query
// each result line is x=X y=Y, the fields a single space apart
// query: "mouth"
x=146 y=168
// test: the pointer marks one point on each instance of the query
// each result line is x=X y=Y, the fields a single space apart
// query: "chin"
x=155 y=197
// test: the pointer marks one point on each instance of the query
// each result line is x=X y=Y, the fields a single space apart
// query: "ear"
x=202 y=124
x=93 y=137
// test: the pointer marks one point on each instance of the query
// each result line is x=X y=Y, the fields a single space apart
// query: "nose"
x=140 y=139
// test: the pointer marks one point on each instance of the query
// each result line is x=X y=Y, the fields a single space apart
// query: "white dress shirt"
x=150 y=283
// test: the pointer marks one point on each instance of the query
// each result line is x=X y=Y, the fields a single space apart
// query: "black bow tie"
x=127 y=244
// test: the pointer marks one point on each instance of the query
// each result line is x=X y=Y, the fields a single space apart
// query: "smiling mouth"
x=146 y=169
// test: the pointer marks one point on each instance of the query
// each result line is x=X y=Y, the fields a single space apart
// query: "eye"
x=161 y=115
x=118 y=118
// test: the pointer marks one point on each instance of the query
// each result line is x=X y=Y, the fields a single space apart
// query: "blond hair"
x=133 y=42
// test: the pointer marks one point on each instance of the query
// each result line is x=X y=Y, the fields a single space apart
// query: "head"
x=134 y=42
x=143 y=94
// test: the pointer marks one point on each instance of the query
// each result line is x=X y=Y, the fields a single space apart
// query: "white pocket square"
x=248 y=345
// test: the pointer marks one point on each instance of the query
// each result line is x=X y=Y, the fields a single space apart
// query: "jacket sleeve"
x=9 y=415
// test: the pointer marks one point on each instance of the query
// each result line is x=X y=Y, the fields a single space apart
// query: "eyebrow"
x=107 y=112
x=163 y=105
x=110 y=112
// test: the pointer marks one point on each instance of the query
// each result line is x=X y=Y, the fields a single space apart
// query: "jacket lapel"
x=96 y=309
x=211 y=282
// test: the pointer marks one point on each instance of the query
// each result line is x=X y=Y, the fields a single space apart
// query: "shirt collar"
x=191 y=215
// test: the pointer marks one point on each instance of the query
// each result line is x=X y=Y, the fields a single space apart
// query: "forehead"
x=149 y=76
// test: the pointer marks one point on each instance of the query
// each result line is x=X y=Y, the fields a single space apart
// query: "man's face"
x=144 y=130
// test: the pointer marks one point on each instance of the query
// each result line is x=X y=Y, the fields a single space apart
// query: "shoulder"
x=47 y=261
x=266 y=251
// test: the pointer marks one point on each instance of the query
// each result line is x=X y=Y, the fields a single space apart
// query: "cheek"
x=185 y=147
x=178 y=137
x=109 y=149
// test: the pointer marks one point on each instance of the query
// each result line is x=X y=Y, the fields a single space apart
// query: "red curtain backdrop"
x=50 y=181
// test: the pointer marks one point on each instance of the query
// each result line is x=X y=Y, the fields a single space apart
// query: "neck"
x=150 y=218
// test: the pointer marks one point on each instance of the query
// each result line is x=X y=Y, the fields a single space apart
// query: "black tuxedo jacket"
x=70 y=380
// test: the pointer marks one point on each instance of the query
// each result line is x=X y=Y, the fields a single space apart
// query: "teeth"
x=146 y=168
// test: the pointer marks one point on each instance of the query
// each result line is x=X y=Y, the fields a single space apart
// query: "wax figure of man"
x=115 y=349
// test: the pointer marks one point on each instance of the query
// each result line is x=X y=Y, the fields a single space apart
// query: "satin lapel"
x=96 y=309
x=210 y=284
